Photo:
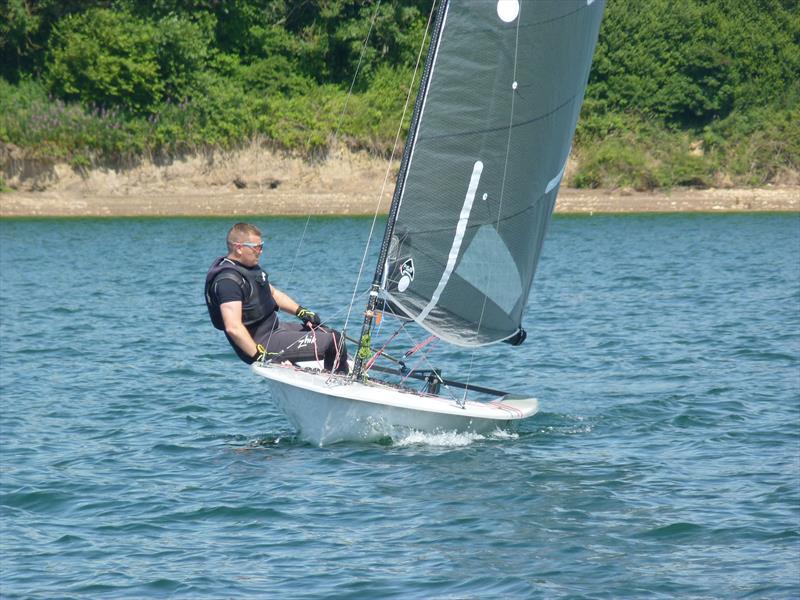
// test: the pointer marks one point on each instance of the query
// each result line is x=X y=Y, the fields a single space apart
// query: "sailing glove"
x=309 y=317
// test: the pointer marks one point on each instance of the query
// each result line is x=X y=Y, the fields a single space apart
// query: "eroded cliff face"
x=254 y=167
x=257 y=180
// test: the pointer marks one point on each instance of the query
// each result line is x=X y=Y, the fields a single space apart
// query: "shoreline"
x=210 y=202
x=256 y=181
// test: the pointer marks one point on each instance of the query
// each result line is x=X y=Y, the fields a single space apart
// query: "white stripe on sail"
x=461 y=228
x=556 y=180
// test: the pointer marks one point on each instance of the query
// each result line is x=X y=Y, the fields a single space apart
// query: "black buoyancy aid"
x=258 y=302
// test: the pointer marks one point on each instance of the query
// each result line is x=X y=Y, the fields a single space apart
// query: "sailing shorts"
x=295 y=343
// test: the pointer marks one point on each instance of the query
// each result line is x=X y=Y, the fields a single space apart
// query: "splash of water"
x=452 y=439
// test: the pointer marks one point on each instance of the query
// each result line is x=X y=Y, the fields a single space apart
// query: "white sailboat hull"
x=327 y=409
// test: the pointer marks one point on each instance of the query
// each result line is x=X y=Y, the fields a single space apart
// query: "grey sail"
x=505 y=86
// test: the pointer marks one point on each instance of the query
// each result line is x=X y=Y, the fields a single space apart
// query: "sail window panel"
x=469 y=324
x=488 y=265
x=447 y=322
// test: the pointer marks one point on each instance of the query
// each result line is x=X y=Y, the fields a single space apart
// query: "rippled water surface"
x=141 y=459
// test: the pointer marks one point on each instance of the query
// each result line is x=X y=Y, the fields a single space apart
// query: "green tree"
x=691 y=62
x=183 y=53
x=107 y=58
x=18 y=28
x=25 y=27
x=112 y=58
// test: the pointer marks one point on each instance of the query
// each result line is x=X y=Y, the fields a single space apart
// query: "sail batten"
x=499 y=128
x=487 y=156
x=551 y=185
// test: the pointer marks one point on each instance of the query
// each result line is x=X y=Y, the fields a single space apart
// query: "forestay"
x=506 y=83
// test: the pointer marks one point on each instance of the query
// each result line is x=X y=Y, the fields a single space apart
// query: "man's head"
x=244 y=244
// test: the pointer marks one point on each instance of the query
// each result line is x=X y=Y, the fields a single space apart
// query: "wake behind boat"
x=490 y=134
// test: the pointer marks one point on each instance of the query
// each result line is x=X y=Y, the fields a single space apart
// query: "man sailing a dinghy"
x=242 y=303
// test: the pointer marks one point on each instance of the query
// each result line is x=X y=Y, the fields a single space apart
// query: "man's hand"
x=309 y=317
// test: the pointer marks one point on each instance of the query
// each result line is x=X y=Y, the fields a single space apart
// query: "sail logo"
x=406 y=275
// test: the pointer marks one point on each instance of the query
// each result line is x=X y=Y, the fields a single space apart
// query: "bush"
x=109 y=58
x=17 y=27
x=691 y=62
x=305 y=124
x=182 y=54
x=372 y=118
x=49 y=128
x=275 y=75
x=681 y=93
x=106 y=58
x=613 y=163
x=757 y=146
x=752 y=147
x=225 y=115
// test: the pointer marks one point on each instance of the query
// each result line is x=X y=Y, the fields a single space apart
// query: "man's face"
x=248 y=251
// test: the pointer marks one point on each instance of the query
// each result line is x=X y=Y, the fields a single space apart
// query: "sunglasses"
x=253 y=245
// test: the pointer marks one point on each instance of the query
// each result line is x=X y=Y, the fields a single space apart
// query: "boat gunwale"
x=501 y=409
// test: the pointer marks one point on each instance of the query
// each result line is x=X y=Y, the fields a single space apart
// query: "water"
x=140 y=459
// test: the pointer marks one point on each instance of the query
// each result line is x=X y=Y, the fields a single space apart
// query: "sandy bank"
x=233 y=203
x=257 y=181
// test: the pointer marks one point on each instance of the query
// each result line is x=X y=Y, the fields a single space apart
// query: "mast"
x=366 y=327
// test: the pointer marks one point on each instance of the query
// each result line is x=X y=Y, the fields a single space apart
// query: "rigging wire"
x=424 y=358
x=389 y=167
x=335 y=136
x=375 y=356
x=358 y=68
x=340 y=120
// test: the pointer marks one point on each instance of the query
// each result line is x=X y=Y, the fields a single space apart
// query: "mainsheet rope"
x=375 y=356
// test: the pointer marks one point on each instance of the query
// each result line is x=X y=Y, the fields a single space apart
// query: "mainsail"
x=488 y=147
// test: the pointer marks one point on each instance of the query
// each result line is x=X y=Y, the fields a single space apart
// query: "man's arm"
x=234 y=327
x=283 y=301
